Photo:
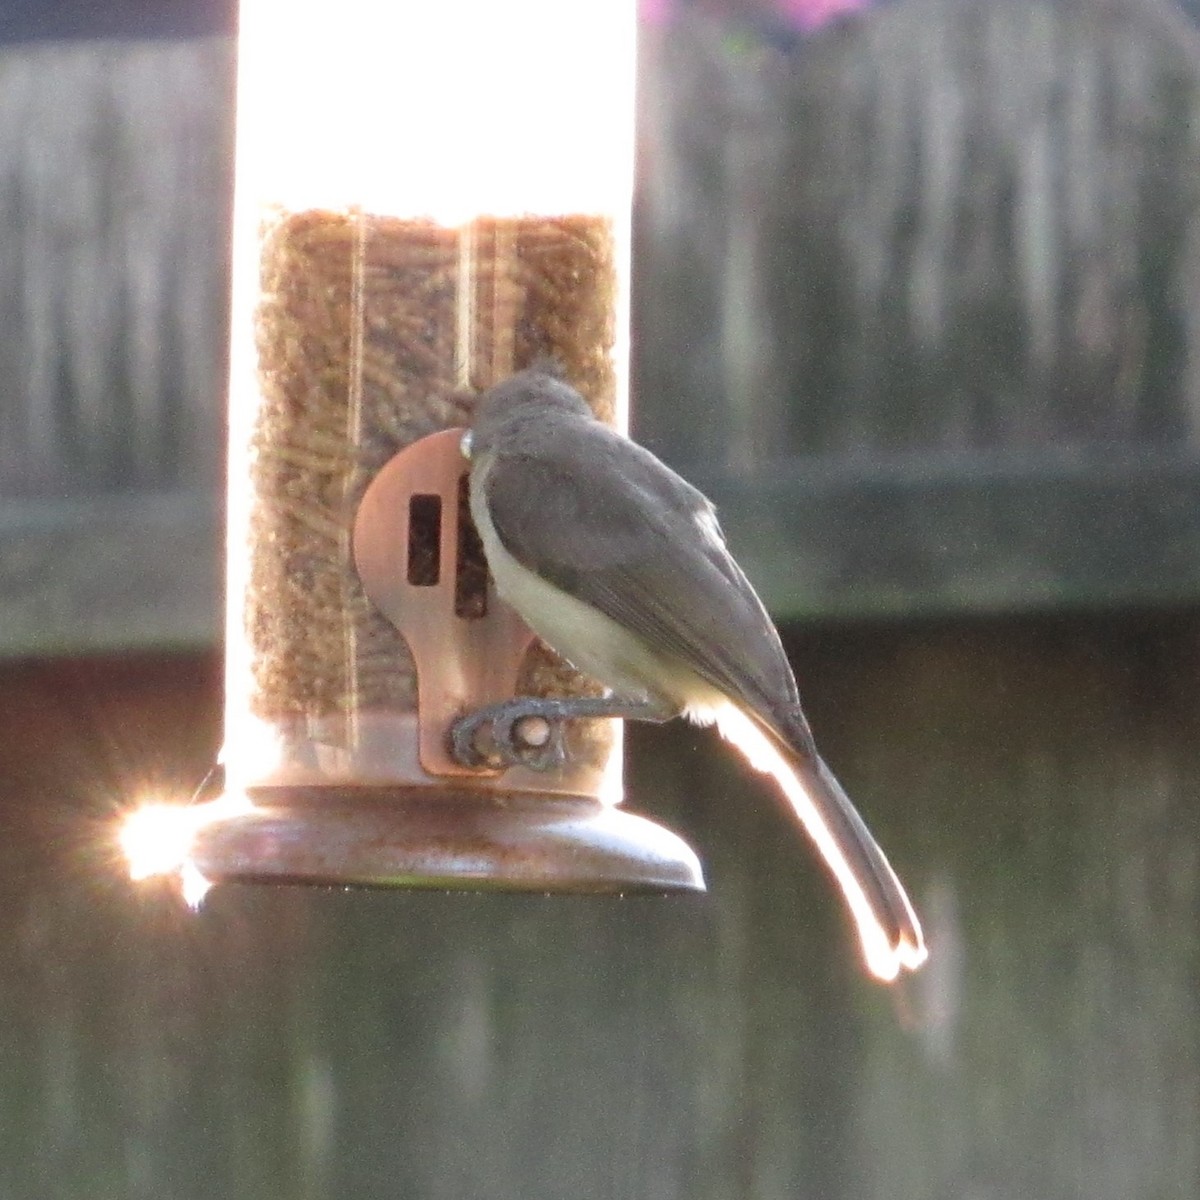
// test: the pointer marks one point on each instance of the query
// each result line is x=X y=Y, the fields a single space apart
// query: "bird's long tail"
x=887 y=925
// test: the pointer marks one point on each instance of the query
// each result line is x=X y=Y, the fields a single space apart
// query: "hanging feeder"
x=428 y=198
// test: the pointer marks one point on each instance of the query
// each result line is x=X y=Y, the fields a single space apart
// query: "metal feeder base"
x=382 y=837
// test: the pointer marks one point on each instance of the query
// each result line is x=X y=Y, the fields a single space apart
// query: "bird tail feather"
x=888 y=928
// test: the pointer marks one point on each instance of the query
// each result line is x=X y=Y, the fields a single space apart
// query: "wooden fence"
x=966 y=402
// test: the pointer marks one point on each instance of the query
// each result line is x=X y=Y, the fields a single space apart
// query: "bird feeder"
x=428 y=198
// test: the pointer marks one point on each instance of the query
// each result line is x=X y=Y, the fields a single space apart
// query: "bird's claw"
x=516 y=733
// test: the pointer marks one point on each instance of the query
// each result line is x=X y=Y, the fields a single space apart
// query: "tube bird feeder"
x=428 y=198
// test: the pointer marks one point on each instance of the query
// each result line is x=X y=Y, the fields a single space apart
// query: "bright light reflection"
x=437 y=110
x=884 y=958
x=157 y=840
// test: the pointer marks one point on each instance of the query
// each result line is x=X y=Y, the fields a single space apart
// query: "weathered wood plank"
x=883 y=344
x=947 y=225
x=1033 y=780
x=108 y=573
x=818 y=542
x=115 y=174
x=114 y=245
x=937 y=534
x=130 y=1034
x=35 y=20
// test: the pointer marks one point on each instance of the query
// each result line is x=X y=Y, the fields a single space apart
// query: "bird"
x=621 y=566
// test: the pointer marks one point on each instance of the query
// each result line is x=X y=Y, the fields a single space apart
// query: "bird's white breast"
x=588 y=639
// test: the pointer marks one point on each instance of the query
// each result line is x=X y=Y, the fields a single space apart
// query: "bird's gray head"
x=516 y=409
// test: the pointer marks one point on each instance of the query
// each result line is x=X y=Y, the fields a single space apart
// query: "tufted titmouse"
x=620 y=565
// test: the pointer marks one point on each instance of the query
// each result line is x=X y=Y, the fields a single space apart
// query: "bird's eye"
x=465 y=444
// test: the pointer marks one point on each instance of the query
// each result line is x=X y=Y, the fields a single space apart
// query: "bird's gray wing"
x=642 y=546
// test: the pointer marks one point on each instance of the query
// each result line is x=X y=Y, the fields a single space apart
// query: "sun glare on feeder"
x=156 y=840
x=437 y=110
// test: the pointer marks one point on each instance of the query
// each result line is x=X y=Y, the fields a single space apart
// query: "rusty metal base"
x=380 y=837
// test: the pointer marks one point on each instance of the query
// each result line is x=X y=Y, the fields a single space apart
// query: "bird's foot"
x=527 y=731
x=530 y=731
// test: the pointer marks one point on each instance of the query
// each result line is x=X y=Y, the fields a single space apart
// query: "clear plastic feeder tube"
x=428 y=198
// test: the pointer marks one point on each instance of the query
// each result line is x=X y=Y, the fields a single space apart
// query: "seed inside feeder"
x=371 y=333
